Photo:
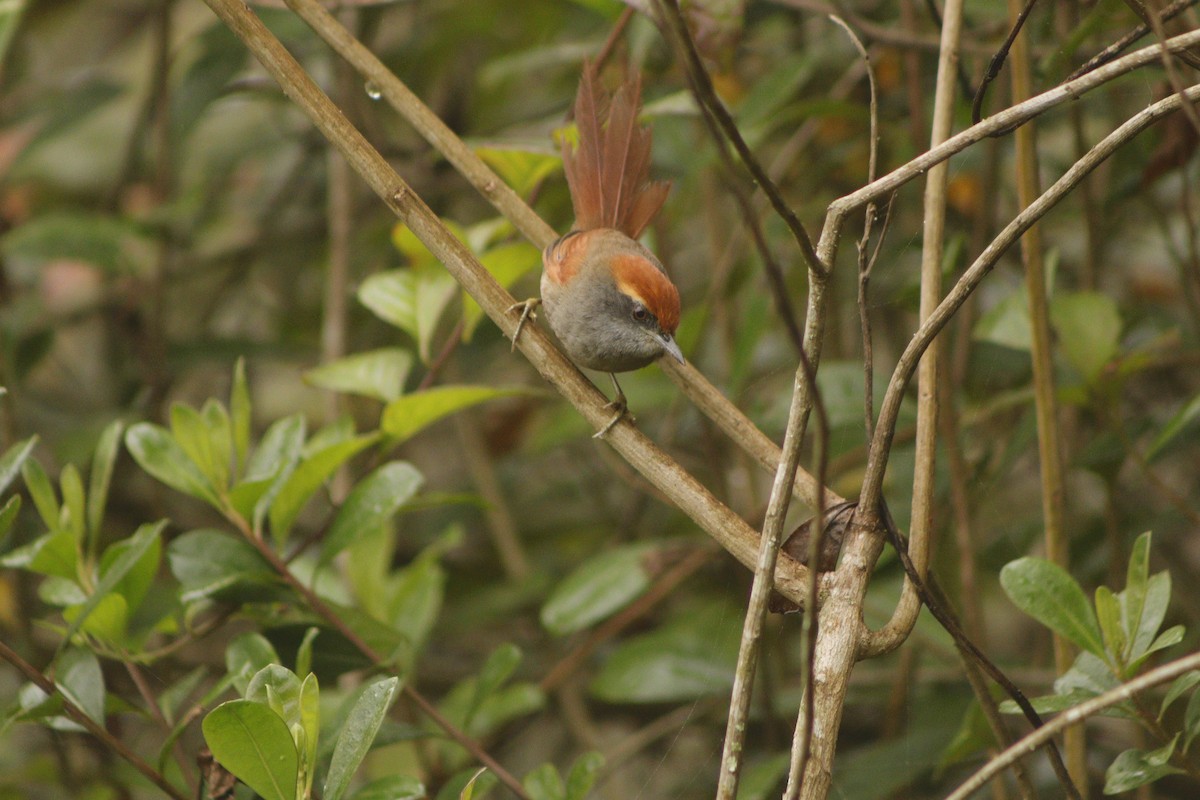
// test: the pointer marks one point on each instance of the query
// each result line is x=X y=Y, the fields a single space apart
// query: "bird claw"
x=620 y=412
x=527 y=313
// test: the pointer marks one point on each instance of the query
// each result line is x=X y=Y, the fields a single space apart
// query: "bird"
x=606 y=297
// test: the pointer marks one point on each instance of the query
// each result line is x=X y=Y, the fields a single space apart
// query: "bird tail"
x=609 y=171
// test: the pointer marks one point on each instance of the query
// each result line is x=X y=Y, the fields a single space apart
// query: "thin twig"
x=1045 y=402
x=971 y=279
x=696 y=76
x=1116 y=48
x=707 y=97
x=1072 y=717
x=994 y=125
x=997 y=62
x=933 y=246
x=1173 y=76
x=77 y=714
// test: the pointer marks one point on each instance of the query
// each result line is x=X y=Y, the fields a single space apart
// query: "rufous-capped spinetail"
x=607 y=298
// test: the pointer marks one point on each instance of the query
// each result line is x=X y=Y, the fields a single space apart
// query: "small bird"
x=607 y=298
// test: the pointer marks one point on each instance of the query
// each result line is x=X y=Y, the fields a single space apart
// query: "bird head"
x=610 y=301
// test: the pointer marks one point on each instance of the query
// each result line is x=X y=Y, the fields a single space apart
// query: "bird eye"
x=640 y=314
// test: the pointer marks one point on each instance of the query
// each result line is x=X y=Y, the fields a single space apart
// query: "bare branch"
x=1072 y=717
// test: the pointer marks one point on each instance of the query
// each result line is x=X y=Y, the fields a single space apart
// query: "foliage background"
x=166 y=211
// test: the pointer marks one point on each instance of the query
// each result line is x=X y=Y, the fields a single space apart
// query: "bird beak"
x=671 y=347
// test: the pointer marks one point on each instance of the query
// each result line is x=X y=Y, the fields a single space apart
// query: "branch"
x=77 y=714
x=708 y=99
x=656 y=466
x=708 y=399
x=999 y=123
x=1072 y=717
x=880 y=445
x=933 y=243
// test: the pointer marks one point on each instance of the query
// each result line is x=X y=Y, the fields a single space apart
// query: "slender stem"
x=933 y=241
x=1073 y=717
x=1045 y=402
x=708 y=98
x=974 y=275
x=77 y=714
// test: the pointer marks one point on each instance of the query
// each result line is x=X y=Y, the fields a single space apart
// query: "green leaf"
x=1191 y=721
x=1184 y=421
x=1179 y=687
x=1133 y=599
x=404 y=418
x=481 y=779
x=8 y=514
x=207 y=561
x=125 y=558
x=253 y=742
x=544 y=783
x=190 y=430
x=378 y=373
x=522 y=169
x=274 y=459
x=72 y=494
x=1108 y=613
x=239 y=411
x=102 y=469
x=10 y=17
x=354 y=741
x=304 y=651
x=220 y=439
x=138 y=578
x=412 y=299
x=14 y=457
x=506 y=263
x=246 y=656
x=496 y=670
x=600 y=586
x=157 y=452
x=373 y=501
x=52 y=554
x=1135 y=768
x=80 y=680
x=307 y=477
x=1006 y=324
x=393 y=787
x=1154 y=611
x=583 y=775
x=278 y=687
x=96 y=238
x=692 y=657
x=1088 y=325
x=310 y=723
x=1050 y=595
x=42 y=492
x=107 y=620
x=415 y=594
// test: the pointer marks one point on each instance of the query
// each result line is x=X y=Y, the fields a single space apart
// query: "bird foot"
x=620 y=411
x=527 y=313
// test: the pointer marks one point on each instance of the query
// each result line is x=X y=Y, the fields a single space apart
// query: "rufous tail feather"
x=609 y=171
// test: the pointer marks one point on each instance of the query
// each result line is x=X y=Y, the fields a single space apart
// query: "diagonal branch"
x=656 y=466
x=708 y=399
x=77 y=714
